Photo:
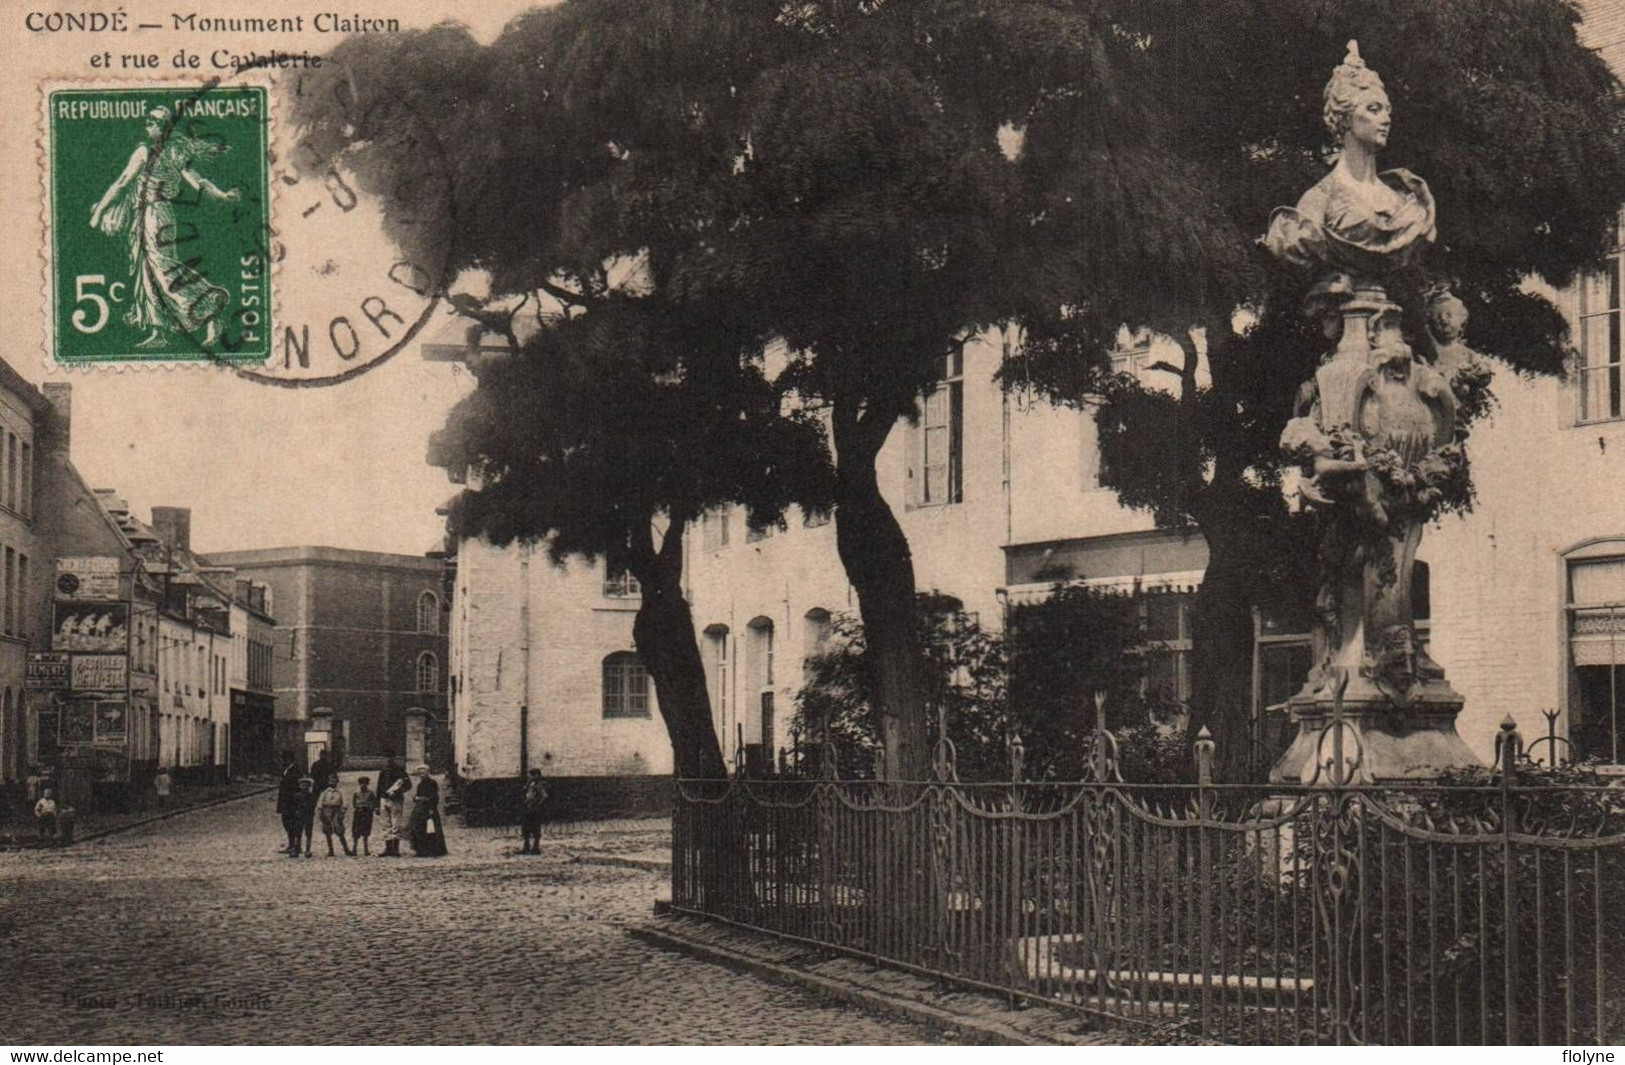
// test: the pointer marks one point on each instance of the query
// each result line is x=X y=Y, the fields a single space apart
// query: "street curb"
x=167 y=814
x=978 y=1032
x=650 y=864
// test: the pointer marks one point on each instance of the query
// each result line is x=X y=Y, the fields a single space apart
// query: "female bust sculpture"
x=1356 y=219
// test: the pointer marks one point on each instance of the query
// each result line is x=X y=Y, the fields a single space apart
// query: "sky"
x=259 y=466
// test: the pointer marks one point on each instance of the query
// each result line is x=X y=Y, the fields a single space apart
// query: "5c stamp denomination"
x=159 y=200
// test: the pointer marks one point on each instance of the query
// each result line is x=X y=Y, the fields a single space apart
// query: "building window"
x=428 y=672
x=11 y=591
x=11 y=470
x=759 y=660
x=815 y=641
x=618 y=580
x=714 y=528
x=1168 y=664
x=1135 y=362
x=936 y=471
x=626 y=686
x=28 y=481
x=22 y=595
x=429 y=614
x=1599 y=366
x=1596 y=616
x=716 y=643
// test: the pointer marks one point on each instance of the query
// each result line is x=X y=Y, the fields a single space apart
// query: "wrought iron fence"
x=1325 y=914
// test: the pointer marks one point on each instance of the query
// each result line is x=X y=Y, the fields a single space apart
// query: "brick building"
x=359 y=656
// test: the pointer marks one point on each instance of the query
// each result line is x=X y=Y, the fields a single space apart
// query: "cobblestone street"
x=199 y=930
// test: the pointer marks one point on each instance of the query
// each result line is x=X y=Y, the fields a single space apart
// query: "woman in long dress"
x=427 y=830
x=165 y=292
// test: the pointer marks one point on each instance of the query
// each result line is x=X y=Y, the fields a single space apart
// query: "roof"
x=14 y=382
x=315 y=555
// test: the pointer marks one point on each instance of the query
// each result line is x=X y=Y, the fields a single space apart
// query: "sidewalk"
x=17 y=832
x=630 y=843
x=975 y=1016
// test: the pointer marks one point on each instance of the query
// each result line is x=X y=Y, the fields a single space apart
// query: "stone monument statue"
x=1375 y=440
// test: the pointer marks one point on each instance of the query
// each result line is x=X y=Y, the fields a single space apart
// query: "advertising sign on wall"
x=89 y=577
x=99 y=673
x=76 y=722
x=112 y=722
x=47 y=671
x=94 y=627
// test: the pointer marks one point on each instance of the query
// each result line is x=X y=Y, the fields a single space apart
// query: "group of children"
x=328 y=807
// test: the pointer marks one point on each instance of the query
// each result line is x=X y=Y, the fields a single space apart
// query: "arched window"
x=815 y=635
x=758 y=695
x=428 y=613
x=428 y=672
x=626 y=686
x=759 y=661
x=1594 y=587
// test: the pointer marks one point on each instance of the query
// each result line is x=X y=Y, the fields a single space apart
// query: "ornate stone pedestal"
x=1381 y=743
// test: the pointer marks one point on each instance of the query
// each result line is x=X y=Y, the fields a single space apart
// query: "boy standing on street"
x=366 y=801
x=45 y=815
x=531 y=824
x=331 y=805
x=307 y=810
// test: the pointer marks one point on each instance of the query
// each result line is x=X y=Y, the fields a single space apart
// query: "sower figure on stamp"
x=165 y=293
x=393 y=784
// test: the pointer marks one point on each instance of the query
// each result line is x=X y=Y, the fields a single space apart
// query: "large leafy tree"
x=861 y=184
x=627 y=412
x=1497 y=105
x=607 y=434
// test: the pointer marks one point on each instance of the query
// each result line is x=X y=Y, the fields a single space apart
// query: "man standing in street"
x=287 y=802
x=393 y=784
x=321 y=770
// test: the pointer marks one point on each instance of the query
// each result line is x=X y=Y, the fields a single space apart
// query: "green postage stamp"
x=160 y=224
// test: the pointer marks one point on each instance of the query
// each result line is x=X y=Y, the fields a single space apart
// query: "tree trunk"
x=878 y=562
x=664 y=634
x=1222 y=653
x=1222 y=628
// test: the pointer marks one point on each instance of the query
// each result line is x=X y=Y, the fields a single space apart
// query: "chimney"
x=60 y=395
x=173 y=526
